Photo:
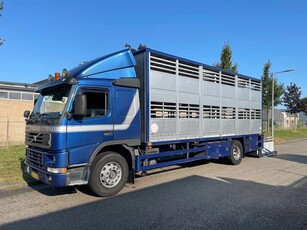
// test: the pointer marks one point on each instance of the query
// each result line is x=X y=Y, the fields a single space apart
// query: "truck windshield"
x=50 y=105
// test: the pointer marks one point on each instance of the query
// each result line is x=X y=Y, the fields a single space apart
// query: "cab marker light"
x=57 y=76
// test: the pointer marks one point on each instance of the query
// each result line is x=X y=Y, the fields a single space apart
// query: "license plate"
x=34 y=175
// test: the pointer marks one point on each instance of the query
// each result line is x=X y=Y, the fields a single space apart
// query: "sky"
x=43 y=37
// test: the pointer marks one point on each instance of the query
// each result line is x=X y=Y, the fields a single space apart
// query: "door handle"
x=108 y=133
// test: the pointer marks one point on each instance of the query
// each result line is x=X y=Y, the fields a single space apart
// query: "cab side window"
x=97 y=103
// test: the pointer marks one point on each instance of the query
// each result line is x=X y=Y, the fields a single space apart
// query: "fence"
x=12 y=122
x=12 y=132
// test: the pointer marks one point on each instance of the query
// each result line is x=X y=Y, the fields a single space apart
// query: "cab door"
x=126 y=114
x=85 y=134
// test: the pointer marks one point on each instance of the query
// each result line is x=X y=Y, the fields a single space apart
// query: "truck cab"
x=84 y=115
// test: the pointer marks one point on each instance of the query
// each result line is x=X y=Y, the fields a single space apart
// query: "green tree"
x=267 y=80
x=226 y=59
x=292 y=100
x=266 y=91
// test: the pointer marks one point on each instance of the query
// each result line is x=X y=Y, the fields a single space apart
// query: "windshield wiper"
x=37 y=118
x=44 y=118
x=32 y=119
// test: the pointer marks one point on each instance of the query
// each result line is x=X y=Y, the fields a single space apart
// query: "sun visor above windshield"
x=112 y=62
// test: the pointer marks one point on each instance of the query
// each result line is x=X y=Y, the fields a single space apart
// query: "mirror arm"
x=69 y=116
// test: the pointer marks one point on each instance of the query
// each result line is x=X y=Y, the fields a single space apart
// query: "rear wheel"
x=109 y=174
x=236 y=153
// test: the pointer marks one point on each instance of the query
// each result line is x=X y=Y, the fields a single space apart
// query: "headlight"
x=65 y=73
x=57 y=170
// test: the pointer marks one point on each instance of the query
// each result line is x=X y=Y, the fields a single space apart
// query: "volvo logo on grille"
x=34 y=139
x=38 y=139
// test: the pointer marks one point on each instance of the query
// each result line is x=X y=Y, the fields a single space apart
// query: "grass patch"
x=282 y=135
x=11 y=164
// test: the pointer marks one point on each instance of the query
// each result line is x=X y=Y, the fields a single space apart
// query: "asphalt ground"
x=260 y=193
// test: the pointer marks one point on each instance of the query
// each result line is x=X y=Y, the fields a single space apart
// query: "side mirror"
x=80 y=105
x=26 y=114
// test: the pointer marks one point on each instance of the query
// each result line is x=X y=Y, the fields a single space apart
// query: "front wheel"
x=236 y=153
x=109 y=174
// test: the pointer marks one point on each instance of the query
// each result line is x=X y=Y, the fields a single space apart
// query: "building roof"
x=4 y=85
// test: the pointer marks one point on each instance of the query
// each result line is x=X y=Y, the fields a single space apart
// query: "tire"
x=109 y=174
x=236 y=153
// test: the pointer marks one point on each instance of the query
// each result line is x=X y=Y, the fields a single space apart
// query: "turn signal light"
x=57 y=170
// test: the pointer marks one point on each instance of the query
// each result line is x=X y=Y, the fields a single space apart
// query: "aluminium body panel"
x=185 y=100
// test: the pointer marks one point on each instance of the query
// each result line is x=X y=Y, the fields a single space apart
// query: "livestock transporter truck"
x=128 y=112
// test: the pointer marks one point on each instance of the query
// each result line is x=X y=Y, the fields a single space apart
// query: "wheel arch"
x=241 y=140
x=122 y=148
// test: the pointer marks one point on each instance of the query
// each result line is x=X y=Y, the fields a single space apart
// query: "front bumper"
x=38 y=161
x=56 y=180
x=52 y=168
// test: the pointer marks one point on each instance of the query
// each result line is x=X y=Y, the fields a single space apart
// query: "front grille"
x=35 y=158
x=38 y=139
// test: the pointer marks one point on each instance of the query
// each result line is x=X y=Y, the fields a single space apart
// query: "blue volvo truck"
x=129 y=112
